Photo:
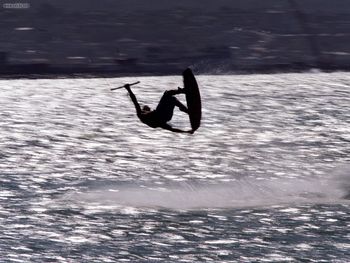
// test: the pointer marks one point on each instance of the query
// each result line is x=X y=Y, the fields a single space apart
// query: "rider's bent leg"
x=167 y=103
x=174 y=91
x=181 y=106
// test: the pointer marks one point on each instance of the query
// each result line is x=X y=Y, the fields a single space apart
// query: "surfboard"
x=193 y=99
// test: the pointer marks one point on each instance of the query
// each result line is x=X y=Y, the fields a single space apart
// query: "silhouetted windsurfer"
x=164 y=111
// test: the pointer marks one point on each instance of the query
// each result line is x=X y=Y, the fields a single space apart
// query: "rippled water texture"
x=264 y=179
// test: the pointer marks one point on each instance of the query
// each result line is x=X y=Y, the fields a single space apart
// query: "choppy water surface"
x=263 y=180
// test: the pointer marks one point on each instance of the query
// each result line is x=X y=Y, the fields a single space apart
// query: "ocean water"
x=266 y=178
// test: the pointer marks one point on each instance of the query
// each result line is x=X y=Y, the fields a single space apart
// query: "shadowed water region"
x=264 y=179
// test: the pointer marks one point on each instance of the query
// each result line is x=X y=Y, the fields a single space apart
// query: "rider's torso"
x=151 y=119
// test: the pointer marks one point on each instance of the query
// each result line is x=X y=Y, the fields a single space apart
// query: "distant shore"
x=38 y=71
x=117 y=38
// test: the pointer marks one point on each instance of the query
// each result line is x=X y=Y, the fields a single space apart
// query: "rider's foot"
x=180 y=90
x=183 y=108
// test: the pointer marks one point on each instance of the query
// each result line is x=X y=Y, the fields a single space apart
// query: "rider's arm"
x=134 y=100
x=170 y=128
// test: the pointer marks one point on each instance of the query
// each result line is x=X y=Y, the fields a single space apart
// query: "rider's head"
x=146 y=108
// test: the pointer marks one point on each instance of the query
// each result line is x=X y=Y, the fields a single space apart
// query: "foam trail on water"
x=243 y=193
x=341 y=180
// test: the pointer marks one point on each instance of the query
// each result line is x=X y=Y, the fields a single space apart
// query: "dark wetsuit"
x=163 y=113
x=150 y=118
